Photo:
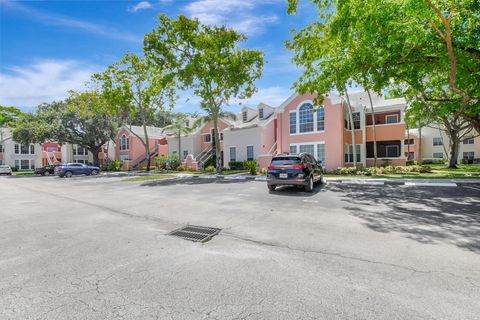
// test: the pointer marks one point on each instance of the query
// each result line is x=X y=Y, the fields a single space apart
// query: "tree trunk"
x=354 y=145
x=95 y=150
x=374 y=130
x=408 y=145
x=147 y=147
x=179 y=146
x=419 y=158
x=217 y=144
x=454 y=146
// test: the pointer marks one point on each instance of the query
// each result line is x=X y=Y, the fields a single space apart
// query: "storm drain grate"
x=195 y=233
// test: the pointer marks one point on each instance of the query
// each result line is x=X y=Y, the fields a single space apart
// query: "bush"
x=168 y=162
x=411 y=162
x=236 y=165
x=434 y=161
x=211 y=162
x=115 y=165
x=181 y=168
x=379 y=171
x=210 y=169
x=251 y=166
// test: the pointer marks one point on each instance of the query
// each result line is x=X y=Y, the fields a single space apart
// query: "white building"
x=19 y=156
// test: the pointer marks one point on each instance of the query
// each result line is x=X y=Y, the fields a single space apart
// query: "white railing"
x=273 y=149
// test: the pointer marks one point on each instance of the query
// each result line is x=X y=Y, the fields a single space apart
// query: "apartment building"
x=17 y=155
x=129 y=147
x=436 y=144
x=325 y=131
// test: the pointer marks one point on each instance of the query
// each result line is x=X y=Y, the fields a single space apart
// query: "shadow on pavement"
x=424 y=214
x=293 y=191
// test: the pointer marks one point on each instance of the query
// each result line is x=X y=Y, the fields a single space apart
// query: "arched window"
x=124 y=142
x=305 y=117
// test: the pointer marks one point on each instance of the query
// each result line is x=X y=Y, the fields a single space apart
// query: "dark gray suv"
x=295 y=170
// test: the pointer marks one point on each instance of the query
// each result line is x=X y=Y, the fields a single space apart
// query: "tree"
x=179 y=126
x=8 y=116
x=140 y=90
x=84 y=118
x=429 y=46
x=208 y=60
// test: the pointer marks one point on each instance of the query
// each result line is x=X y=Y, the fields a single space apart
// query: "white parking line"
x=242 y=195
x=431 y=184
x=376 y=183
x=310 y=201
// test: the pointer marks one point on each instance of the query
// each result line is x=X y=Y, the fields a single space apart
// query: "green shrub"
x=210 y=169
x=115 y=165
x=251 y=166
x=411 y=162
x=168 y=162
x=211 y=162
x=181 y=168
x=434 y=161
x=236 y=165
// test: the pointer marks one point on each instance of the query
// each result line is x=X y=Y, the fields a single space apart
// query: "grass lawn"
x=22 y=173
x=152 y=177
x=439 y=171
x=229 y=172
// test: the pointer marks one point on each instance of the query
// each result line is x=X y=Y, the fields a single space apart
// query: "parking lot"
x=98 y=248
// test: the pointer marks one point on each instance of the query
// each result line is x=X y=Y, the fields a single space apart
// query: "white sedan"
x=4 y=169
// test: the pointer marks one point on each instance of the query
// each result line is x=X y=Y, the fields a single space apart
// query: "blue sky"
x=50 y=47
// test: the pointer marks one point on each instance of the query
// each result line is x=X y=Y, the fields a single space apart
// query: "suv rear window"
x=286 y=161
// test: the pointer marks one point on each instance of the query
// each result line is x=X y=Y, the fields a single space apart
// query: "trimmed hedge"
x=236 y=165
x=378 y=171
x=434 y=161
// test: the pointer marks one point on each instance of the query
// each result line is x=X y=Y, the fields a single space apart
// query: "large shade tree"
x=179 y=126
x=140 y=90
x=84 y=118
x=429 y=46
x=8 y=116
x=207 y=60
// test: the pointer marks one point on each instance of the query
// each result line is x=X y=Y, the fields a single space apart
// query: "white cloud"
x=42 y=81
x=238 y=14
x=140 y=6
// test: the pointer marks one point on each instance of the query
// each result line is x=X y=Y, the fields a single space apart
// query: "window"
x=409 y=142
x=24 y=149
x=124 y=143
x=25 y=164
x=52 y=149
x=187 y=123
x=293 y=122
x=305 y=118
x=470 y=155
x=79 y=151
x=124 y=157
x=437 y=155
x=249 y=152
x=260 y=113
x=356 y=120
x=233 y=154
x=293 y=149
x=349 y=153
x=437 y=142
x=17 y=148
x=308 y=148
x=469 y=140
x=244 y=116
x=221 y=136
x=1 y=161
x=392 y=151
x=1 y=148
x=208 y=138
x=32 y=149
x=410 y=155
x=321 y=119
x=321 y=153
x=185 y=154
x=82 y=161
x=391 y=118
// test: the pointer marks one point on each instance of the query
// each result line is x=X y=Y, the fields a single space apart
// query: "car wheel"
x=272 y=187
x=94 y=172
x=46 y=173
x=68 y=174
x=322 y=179
x=309 y=186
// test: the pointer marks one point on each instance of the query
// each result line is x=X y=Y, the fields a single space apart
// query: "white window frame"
x=185 y=155
x=392 y=146
x=468 y=156
x=297 y=119
x=124 y=142
x=350 y=146
x=391 y=115
x=315 y=151
x=261 y=113
x=253 y=152
x=244 y=116
x=230 y=153
x=469 y=140
x=435 y=139
x=435 y=154
x=2 y=148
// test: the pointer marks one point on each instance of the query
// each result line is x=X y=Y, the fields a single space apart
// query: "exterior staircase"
x=204 y=156
x=137 y=163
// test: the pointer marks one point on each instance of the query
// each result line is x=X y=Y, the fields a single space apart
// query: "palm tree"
x=214 y=114
x=180 y=126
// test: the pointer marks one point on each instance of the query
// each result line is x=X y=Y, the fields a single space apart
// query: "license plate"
x=283 y=175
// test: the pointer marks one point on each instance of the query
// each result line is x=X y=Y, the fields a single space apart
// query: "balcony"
x=394 y=131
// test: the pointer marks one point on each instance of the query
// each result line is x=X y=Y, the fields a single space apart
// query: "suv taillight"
x=298 y=167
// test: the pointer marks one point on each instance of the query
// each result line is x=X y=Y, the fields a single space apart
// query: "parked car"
x=294 y=170
x=70 y=169
x=46 y=170
x=4 y=169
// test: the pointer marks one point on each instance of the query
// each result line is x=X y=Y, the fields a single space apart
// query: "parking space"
x=98 y=248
